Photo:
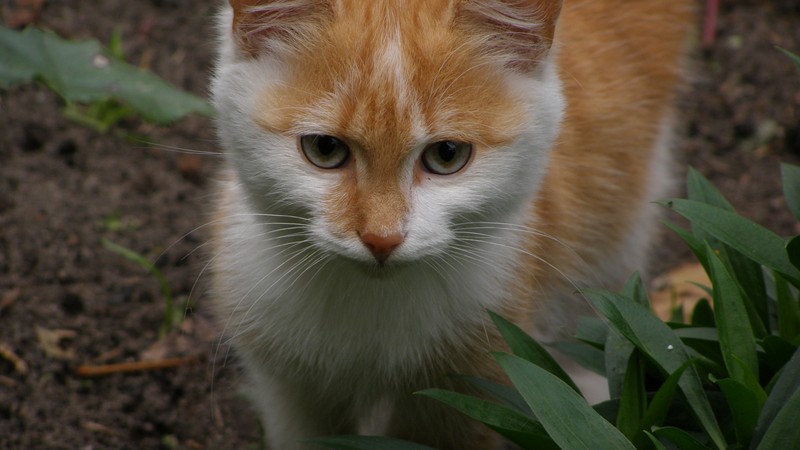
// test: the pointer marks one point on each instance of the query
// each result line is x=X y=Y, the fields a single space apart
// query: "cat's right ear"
x=275 y=26
x=520 y=32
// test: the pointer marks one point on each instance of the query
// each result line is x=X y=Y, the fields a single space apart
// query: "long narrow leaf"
x=735 y=334
x=790 y=178
x=784 y=431
x=749 y=238
x=658 y=342
x=744 y=407
x=657 y=410
x=682 y=439
x=633 y=401
x=520 y=429
x=787 y=386
x=524 y=346
x=617 y=352
x=504 y=394
x=566 y=416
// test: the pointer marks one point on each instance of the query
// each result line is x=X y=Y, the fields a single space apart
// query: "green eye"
x=323 y=151
x=446 y=157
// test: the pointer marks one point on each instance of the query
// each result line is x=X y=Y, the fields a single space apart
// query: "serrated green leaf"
x=84 y=72
x=662 y=346
x=733 y=325
x=745 y=236
x=520 y=429
x=524 y=346
x=682 y=439
x=786 y=387
x=568 y=419
x=366 y=443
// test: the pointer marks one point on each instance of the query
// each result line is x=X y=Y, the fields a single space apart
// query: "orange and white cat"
x=398 y=167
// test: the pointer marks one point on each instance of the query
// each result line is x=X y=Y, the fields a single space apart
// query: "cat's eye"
x=323 y=151
x=446 y=157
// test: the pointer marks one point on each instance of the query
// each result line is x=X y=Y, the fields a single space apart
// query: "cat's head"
x=389 y=123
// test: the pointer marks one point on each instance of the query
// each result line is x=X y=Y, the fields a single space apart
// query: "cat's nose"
x=381 y=246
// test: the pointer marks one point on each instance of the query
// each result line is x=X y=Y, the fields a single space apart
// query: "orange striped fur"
x=345 y=288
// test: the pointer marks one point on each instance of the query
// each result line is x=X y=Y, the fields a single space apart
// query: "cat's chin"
x=373 y=269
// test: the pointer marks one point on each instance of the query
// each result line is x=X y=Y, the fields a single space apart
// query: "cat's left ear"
x=275 y=26
x=518 y=31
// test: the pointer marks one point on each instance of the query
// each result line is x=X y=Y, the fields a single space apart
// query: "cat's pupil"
x=326 y=145
x=447 y=151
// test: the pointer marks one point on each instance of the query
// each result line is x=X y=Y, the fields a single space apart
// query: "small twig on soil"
x=136 y=366
x=19 y=365
x=99 y=428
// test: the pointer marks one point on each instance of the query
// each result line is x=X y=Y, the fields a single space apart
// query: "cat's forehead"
x=392 y=75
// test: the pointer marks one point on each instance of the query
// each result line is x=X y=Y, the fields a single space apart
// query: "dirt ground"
x=66 y=301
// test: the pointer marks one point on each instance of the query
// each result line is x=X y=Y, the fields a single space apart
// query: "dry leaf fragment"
x=50 y=341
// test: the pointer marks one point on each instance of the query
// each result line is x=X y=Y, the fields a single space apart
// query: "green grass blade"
x=366 y=443
x=792 y=56
x=654 y=440
x=524 y=346
x=790 y=177
x=736 y=337
x=662 y=346
x=787 y=386
x=749 y=238
x=657 y=410
x=520 y=429
x=568 y=419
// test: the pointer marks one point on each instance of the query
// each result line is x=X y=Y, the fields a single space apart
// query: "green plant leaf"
x=793 y=251
x=696 y=245
x=786 y=387
x=568 y=419
x=790 y=177
x=777 y=352
x=170 y=318
x=635 y=289
x=662 y=346
x=792 y=56
x=366 y=443
x=520 y=429
x=744 y=407
x=703 y=315
x=617 y=352
x=505 y=395
x=788 y=309
x=682 y=439
x=659 y=406
x=733 y=325
x=749 y=238
x=784 y=431
x=588 y=356
x=84 y=72
x=592 y=331
x=524 y=346
x=654 y=440
x=633 y=401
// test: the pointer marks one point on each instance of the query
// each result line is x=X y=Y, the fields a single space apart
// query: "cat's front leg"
x=294 y=412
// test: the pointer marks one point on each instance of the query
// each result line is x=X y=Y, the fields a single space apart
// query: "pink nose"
x=381 y=246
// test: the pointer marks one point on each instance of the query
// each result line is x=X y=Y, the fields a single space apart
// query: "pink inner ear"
x=256 y=21
x=521 y=29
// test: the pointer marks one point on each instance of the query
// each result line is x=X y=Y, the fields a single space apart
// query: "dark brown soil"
x=63 y=188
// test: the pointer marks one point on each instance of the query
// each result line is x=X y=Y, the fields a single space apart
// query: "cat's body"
x=351 y=272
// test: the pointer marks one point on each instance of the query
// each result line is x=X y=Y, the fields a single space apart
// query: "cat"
x=397 y=167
